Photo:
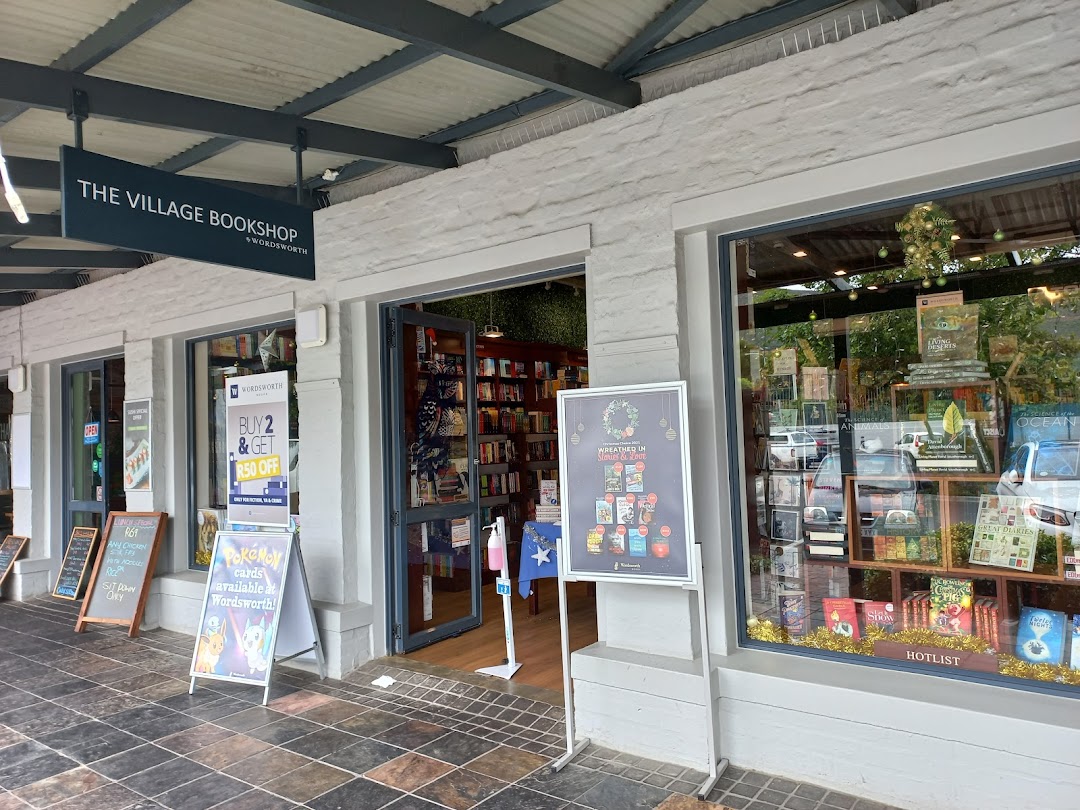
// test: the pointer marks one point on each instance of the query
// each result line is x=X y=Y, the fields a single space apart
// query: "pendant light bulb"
x=490 y=329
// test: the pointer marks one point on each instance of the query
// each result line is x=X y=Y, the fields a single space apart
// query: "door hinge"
x=391 y=332
x=395 y=518
x=397 y=632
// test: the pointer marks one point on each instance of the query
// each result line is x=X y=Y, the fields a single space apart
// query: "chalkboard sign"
x=10 y=549
x=80 y=548
x=123 y=569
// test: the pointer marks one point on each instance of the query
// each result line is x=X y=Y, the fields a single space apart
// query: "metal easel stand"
x=717 y=765
x=507 y=670
x=573 y=747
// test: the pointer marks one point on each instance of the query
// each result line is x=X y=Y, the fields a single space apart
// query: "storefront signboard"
x=256 y=608
x=80 y=549
x=624 y=459
x=137 y=445
x=10 y=550
x=257 y=434
x=112 y=202
x=120 y=583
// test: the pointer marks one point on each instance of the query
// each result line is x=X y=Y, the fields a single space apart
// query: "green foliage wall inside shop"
x=525 y=313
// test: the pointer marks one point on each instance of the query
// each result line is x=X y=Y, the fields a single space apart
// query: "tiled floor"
x=100 y=722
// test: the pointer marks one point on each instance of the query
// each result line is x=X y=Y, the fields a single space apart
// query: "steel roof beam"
x=107 y=259
x=746 y=27
x=663 y=24
x=45 y=174
x=440 y=29
x=51 y=89
x=39 y=225
x=132 y=22
x=500 y=15
x=667 y=21
x=898 y=9
x=40 y=281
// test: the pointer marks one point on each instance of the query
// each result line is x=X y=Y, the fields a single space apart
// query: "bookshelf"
x=517 y=385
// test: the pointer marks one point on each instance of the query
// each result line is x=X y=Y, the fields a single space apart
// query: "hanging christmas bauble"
x=853 y=296
x=883 y=253
x=999 y=235
x=926 y=282
x=942 y=281
x=813 y=315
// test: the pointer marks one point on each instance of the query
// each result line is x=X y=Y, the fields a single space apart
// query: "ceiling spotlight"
x=800 y=254
x=975 y=258
x=839 y=272
x=330 y=175
x=872 y=287
x=955 y=237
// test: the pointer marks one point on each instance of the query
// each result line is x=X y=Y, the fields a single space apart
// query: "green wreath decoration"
x=631 y=412
x=926 y=233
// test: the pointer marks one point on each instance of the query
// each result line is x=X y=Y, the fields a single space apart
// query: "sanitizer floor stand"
x=502 y=584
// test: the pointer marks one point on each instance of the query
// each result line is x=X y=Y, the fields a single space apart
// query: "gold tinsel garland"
x=824 y=639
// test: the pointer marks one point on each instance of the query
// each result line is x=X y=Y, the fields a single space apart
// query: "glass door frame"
x=68 y=505
x=399 y=516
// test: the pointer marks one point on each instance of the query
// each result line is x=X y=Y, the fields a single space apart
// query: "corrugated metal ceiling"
x=41 y=31
x=716 y=13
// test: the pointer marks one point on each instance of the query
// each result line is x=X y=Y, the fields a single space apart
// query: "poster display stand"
x=627 y=516
x=123 y=568
x=256 y=611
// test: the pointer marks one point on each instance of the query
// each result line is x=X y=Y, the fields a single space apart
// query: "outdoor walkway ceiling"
x=223 y=91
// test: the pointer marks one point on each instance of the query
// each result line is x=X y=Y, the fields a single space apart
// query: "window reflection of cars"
x=889 y=473
x=912 y=442
x=789 y=448
x=1047 y=474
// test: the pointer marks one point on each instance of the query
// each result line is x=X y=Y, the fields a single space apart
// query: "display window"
x=907 y=424
x=213 y=362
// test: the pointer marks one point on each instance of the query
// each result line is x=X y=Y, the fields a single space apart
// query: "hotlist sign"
x=112 y=202
x=257 y=434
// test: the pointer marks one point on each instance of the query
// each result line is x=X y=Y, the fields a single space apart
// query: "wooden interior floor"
x=536 y=638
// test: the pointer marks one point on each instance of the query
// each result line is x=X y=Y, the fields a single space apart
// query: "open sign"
x=92 y=433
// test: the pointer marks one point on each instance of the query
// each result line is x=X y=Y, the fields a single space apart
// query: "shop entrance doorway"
x=93 y=401
x=471 y=429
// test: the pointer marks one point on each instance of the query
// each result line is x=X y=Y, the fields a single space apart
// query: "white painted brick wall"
x=958 y=67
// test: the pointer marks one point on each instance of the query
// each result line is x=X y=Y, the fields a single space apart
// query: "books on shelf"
x=950 y=606
x=881 y=614
x=511 y=368
x=497 y=452
x=840 y=617
x=987 y=620
x=499 y=484
x=486 y=367
x=540 y=422
x=544 y=450
x=512 y=392
x=1040 y=636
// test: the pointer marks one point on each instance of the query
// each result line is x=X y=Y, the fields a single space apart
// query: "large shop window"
x=909 y=398
x=213 y=363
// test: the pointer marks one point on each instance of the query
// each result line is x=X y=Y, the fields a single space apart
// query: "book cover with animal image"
x=1074 y=635
x=1040 y=636
x=793 y=611
x=950 y=606
x=880 y=614
x=635 y=477
x=950 y=333
x=841 y=617
x=613 y=478
x=605 y=511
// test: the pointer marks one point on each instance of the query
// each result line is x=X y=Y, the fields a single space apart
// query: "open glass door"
x=435 y=506
x=93 y=398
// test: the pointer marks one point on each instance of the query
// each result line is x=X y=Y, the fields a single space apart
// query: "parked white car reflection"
x=1047 y=474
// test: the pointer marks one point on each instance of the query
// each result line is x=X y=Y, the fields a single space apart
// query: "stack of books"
x=947 y=372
